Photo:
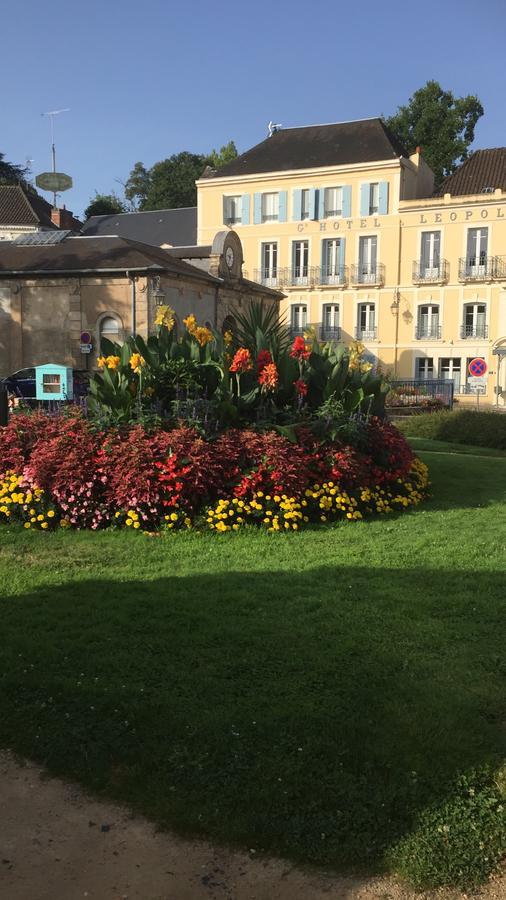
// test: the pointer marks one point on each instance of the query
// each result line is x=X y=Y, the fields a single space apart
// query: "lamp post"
x=394 y=309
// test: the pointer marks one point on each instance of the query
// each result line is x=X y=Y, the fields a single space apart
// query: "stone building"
x=25 y=212
x=50 y=293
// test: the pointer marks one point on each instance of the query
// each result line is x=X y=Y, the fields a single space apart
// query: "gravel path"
x=58 y=844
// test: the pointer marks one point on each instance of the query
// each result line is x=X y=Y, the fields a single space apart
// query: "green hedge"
x=463 y=426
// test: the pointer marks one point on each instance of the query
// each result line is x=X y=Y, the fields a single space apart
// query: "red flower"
x=300 y=387
x=242 y=361
x=269 y=377
x=263 y=359
x=299 y=349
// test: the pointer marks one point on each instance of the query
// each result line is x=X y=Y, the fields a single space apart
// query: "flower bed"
x=61 y=472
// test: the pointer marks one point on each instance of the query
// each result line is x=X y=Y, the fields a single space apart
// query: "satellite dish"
x=53 y=181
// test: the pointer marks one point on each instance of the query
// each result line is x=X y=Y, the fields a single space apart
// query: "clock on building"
x=229 y=257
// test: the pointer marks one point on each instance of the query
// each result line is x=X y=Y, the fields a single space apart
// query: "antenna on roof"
x=273 y=127
x=51 y=114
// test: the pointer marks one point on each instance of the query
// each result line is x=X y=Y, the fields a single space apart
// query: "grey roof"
x=482 y=173
x=21 y=207
x=76 y=255
x=176 y=227
x=314 y=146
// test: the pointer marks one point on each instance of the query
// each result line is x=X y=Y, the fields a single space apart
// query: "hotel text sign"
x=426 y=218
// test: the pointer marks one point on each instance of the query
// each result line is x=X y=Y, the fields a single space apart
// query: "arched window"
x=109 y=328
x=229 y=324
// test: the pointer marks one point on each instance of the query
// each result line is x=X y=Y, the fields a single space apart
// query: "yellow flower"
x=112 y=362
x=136 y=362
x=190 y=323
x=27 y=525
x=203 y=335
x=228 y=337
x=128 y=522
x=137 y=524
x=44 y=525
x=50 y=514
x=165 y=317
x=101 y=362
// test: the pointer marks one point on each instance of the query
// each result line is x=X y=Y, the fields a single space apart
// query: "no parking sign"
x=477 y=367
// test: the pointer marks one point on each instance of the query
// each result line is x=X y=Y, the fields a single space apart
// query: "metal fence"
x=421 y=393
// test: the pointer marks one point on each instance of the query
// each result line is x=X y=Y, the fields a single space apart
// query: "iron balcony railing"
x=334 y=275
x=428 y=333
x=473 y=331
x=301 y=330
x=477 y=268
x=267 y=276
x=500 y=267
x=296 y=276
x=424 y=274
x=370 y=275
x=330 y=333
x=366 y=334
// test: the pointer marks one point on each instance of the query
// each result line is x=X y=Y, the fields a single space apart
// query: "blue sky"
x=145 y=80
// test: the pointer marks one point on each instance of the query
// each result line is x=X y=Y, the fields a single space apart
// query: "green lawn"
x=307 y=694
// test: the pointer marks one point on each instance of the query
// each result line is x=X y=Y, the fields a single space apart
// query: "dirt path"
x=57 y=844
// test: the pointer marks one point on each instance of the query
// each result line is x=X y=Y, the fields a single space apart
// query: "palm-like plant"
x=261 y=328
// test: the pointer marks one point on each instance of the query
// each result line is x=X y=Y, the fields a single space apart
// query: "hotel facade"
x=341 y=220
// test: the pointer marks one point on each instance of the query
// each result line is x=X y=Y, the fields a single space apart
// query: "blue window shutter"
x=257 y=209
x=342 y=248
x=364 y=199
x=312 y=203
x=383 y=198
x=245 y=209
x=297 y=205
x=324 y=256
x=347 y=201
x=283 y=202
x=321 y=203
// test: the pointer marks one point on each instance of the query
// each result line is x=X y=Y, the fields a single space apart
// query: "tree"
x=12 y=174
x=170 y=183
x=104 y=205
x=226 y=154
x=442 y=124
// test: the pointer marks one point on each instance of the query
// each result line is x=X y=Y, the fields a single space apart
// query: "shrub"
x=462 y=426
x=459 y=842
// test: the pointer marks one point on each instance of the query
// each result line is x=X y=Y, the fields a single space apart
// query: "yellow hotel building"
x=341 y=220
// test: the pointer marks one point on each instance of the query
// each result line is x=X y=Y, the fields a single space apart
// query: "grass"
x=315 y=695
x=427 y=444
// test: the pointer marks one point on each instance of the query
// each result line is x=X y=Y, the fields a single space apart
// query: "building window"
x=424 y=368
x=474 y=325
x=298 y=319
x=367 y=260
x=304 y=199
x=428 y=327
x=477 y=249
x=300 y=262
x=449 y=370
x=330 y=324
x=430 y=254
x=366 y=323
x=232 y=210
x=109 y=329
x=333 y=202
x=373 y=198
x=332 y=262
x=270 y=207
x=51 y=384
x=269 y=274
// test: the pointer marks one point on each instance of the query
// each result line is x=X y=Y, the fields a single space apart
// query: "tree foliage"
x=104 y=205
x=12 y=174
x=170 y=183
x=442 y=124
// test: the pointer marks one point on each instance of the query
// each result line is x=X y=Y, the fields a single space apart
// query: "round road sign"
x=477 y=367
x=85 y=337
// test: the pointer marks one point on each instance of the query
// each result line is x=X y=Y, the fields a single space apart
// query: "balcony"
x=330 y=275
x=366 y=334
x=477 y=269
x=371 y=276
x=428 y=333
x=500 y=267
x=301 y=330
x=330 y=333
x=468 y=332
x=423 y=274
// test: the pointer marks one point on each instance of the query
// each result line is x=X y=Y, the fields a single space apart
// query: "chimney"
x=63 y=218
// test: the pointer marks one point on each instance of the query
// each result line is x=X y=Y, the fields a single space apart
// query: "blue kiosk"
x=54 y=382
